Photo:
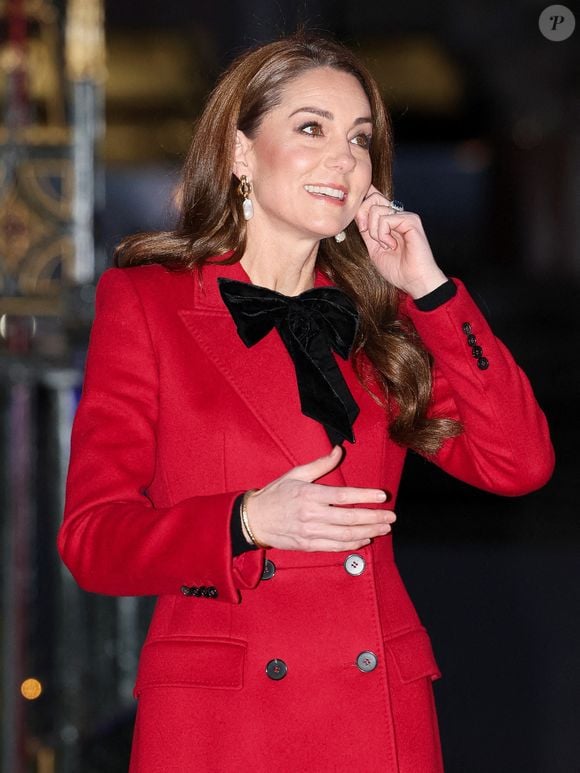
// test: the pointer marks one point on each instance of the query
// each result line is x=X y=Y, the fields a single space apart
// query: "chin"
x=329 y=233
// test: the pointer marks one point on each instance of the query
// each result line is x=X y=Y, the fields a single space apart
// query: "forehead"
x=326 y=88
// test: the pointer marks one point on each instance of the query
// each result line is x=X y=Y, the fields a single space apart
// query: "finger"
x=384 y=225
x=357 y=516
x=385 y=233
x=364 y=215
x=318 y=467
x=348 y=495
x=331 y=546
x=361 y=218
x=346 y=533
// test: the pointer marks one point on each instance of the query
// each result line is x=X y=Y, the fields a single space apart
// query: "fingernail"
x=381 y=496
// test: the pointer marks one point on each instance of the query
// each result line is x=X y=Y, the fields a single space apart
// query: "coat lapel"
x=264 y=378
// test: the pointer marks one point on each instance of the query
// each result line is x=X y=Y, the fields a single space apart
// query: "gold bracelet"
x=245 y=521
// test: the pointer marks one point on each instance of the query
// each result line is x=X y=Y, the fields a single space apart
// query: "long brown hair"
x=211 y=224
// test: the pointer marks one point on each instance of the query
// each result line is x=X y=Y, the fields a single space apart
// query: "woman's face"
x=309 y=162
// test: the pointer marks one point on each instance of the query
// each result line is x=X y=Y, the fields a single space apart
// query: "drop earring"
x=340 y=236
x=244 y=189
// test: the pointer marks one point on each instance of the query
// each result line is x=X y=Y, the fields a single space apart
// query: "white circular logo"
x=556 y=22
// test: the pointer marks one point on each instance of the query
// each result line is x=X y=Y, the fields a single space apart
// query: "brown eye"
x=312 y=128
x=363 y=140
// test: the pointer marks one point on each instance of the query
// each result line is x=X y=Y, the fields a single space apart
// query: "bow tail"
x=324 y=395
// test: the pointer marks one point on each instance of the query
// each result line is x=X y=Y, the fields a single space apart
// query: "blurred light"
x=69 y=734
x=31 y=689
x=8 y=321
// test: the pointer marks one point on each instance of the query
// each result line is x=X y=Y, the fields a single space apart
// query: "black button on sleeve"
x=203 y=591
x=466 y=327
x=471 y=340
x=477 y=351
x=483 y=363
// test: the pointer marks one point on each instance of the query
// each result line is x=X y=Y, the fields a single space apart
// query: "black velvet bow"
x=310 y=325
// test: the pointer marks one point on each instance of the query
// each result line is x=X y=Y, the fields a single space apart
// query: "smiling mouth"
x=322 y=190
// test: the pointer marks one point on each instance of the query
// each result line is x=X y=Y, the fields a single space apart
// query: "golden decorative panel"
x=36 y=250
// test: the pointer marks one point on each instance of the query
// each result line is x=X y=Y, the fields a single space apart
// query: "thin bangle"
x=246 y=522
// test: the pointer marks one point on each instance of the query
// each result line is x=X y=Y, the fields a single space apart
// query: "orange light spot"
x=31 y=689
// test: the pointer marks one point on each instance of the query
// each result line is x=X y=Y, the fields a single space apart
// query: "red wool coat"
x=177 y=418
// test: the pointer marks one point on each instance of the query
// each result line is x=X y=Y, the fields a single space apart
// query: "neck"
x=286 y=268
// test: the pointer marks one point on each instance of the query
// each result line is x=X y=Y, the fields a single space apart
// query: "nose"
x=340 y=156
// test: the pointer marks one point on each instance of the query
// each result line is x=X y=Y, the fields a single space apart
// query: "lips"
x=333 y=193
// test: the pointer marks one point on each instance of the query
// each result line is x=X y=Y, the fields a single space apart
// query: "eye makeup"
x=319 y=132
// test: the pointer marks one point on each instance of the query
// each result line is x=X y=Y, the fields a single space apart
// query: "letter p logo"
x=556 y=23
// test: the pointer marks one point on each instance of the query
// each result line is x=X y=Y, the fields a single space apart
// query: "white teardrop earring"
x=340 y=236
x=244 y=189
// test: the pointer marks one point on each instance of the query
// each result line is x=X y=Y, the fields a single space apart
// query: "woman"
x=214 y=461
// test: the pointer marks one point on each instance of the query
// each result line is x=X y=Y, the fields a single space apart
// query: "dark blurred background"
x=97 y=104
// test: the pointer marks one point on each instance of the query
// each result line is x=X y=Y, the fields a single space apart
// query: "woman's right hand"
x=294 y=513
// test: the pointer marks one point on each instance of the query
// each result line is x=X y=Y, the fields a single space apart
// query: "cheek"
x=366 y=174
x=364 y=178
x=280 y=165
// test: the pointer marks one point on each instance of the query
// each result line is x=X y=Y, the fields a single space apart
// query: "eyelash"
x=367 y=137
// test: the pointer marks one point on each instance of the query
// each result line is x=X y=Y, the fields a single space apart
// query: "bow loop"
x=337 y=316
x=310 y=325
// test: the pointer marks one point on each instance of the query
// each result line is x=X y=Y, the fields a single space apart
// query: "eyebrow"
x=328 y=115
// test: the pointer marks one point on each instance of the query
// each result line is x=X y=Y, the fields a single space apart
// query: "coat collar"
x=274 y=400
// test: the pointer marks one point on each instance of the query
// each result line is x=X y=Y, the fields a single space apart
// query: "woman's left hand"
x=398 y=246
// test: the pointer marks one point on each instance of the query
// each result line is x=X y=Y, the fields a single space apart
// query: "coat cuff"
x=437 y=297
x=239 y=543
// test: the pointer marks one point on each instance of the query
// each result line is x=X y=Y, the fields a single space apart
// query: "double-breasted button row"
x=476 y=350
x=354 y=564
x=277 y=669
x=200 y=591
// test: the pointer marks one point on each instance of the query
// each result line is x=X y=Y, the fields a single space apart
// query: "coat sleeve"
x=113 y=539
x=505 y=446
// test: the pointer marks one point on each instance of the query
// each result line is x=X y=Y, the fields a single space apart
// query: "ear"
x=242 y=154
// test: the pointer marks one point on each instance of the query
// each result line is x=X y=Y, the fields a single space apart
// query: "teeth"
x=336 y=194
